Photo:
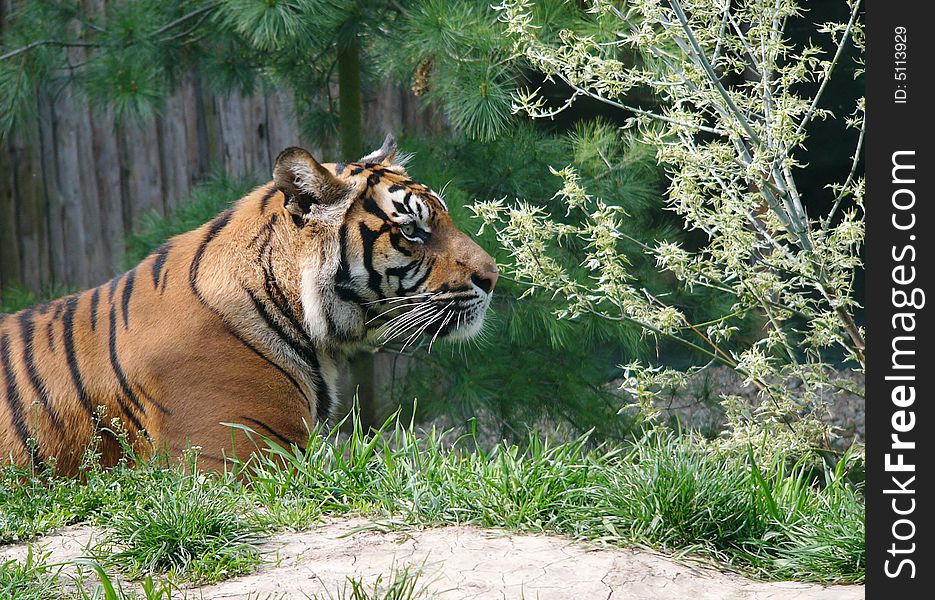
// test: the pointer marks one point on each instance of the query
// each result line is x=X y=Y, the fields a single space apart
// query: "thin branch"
x=720 y=35
x=757 y=69
x=702 y=278
x=188 y=31
x=637 y=110
x=834 y=61
x=712 y=76
x=74 y=44
x=182 y=19
x=38 y=43
x=850 y=176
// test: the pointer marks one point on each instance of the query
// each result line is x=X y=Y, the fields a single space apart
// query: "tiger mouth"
x=429 y=318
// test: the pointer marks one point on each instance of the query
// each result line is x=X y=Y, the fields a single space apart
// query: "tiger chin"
x=244 y=320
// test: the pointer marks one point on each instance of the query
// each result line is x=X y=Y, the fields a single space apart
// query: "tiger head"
x=385 y=257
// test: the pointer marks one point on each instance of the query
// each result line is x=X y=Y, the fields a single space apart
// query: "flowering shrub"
x=730 y=117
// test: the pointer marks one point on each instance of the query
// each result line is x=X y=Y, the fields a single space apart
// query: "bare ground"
x=465 y=562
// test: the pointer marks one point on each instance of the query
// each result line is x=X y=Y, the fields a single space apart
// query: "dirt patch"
x=466 y=562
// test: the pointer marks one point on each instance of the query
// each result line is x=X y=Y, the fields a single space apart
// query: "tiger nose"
x=486 y=279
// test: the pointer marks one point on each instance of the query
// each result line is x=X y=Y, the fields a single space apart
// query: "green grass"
x=402 y=584
x=32 y=503
x=16 y=297
x=774 y=521
x=664 y=492
x=32 y=579
x=190 y=526
x=35 y=580
x=108 y=589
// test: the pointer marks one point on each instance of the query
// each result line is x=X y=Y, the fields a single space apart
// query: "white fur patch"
x=312 y=304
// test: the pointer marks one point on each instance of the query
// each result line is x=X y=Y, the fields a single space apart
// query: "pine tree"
x=129 y=55
x=453 y=53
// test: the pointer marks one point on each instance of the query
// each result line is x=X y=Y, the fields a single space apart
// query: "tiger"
x=244 y=320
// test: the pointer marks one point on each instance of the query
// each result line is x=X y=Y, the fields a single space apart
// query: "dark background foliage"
x=333 y=58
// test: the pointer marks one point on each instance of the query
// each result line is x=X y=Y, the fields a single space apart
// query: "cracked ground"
x=465 y=563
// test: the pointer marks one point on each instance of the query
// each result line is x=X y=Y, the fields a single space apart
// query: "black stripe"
x=149 y=398
x=27 y=331
x=121 y=377
x=374 y=178
x=285 y=441
x=273 y=290
x=302 y=349
x=49 y=328
x=112 y=288
x=50 y=334
x=304 y=346
x=266 y=230
x=370 y=206
x=343 y=273
x=396 y=240
x=68 y=334
x=13 y=401
x=216 y=226
x=349 y=294
x=264 y=201
x=165 y=280
x=159 y=261
x=127 y=292
x=332 y=327
x=402 y=272
x=343 y=284
x=95 y=301
x=271 y=322
x=323 y=400
x=418 y=282
x=368 y=238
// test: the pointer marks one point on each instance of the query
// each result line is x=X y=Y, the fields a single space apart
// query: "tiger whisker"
x=409 y=326
x=397 y=298
x=416 y=329
x=408 y=319
x=397 y=307
x=419 y=331
x=439 y=330
x=418 y=305
x=411 y=313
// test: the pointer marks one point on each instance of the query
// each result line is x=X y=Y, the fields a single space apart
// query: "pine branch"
x=40 y=43
x=182 y=19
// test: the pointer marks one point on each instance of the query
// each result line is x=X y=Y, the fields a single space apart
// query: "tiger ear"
x=305 y=182
x=385 y=154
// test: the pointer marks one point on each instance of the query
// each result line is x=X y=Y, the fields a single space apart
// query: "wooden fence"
x=76 y=182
